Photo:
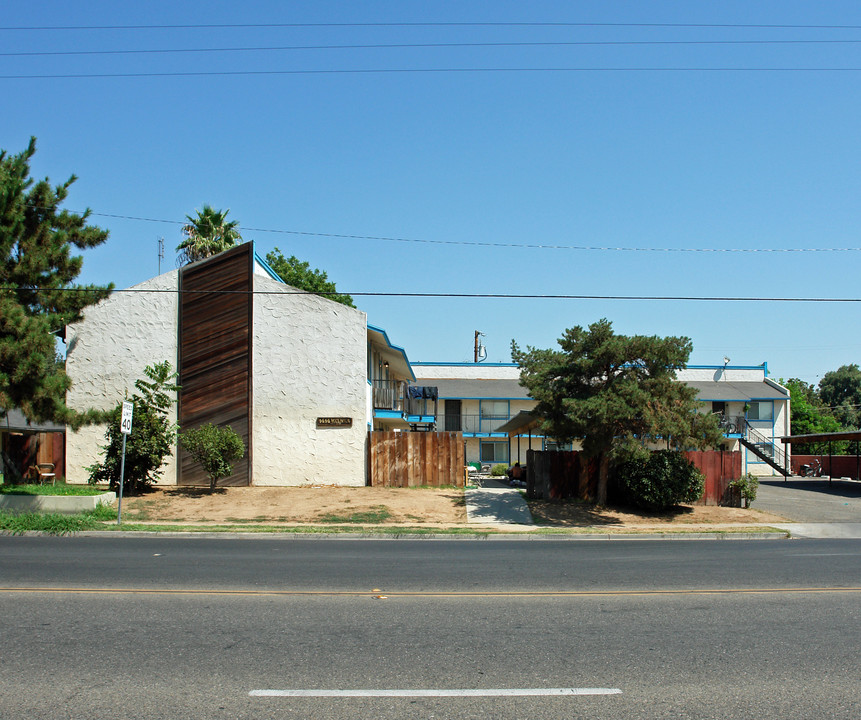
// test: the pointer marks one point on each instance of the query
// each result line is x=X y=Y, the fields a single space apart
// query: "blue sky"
x=744 y=146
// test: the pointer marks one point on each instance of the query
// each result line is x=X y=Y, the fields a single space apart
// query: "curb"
x=63 y=504
x=476 y=536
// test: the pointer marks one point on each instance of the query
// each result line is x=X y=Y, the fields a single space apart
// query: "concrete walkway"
x=496 y=504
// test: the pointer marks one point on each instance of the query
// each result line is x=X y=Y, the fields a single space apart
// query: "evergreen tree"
x=300 y=275
x=37 y=297
x=616 y=394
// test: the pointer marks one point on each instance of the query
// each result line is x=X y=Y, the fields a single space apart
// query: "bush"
x=666 y=479
x=499 y=470
x=151 y=439
x=215 y=448
x=745 y=489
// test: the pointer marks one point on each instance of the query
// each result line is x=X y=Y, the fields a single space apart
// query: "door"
x=452 y=416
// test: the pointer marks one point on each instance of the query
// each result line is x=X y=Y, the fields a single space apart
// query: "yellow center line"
x=431 y=593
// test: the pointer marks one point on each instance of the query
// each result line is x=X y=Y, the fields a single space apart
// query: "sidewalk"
x=498 y=505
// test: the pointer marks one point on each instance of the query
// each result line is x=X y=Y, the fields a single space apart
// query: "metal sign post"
x=125 y=429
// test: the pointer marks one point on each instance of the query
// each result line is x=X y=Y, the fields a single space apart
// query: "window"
x=763 y=410
x=494 y=452
x=493 y=414
x=551 y=445
x=494 y=409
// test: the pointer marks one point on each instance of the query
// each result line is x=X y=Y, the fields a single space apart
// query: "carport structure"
x=848 y=435
x=521 y=424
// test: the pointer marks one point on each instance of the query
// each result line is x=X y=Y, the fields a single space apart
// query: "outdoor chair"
x=45 y=472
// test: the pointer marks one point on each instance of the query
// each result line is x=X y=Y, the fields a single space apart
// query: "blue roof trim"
x=483 y=397
x=265 y=265
x=421 y=418
x=396 y=348
x=764 y=366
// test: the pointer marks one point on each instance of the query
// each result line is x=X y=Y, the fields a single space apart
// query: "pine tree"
x=37 y=297
x=617 y=394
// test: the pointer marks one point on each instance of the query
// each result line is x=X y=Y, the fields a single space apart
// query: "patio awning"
x=822 y=437
x=520 y=424
x=16 y=422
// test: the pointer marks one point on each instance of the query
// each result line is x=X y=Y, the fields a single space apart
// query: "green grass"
x=58 y=489
x=391 y=531
x=378 y=514
x=50 y=523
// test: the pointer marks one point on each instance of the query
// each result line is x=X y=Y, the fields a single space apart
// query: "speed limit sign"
x=126 y=419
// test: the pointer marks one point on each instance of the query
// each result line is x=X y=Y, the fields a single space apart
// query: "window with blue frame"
x=493 y=414
x=761 y=410
x=494 y=452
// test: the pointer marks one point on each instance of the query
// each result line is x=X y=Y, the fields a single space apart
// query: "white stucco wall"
x=466 y=371
x=309 y=361
x=107 y=352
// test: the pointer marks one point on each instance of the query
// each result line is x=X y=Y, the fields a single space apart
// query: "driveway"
x=816 y=507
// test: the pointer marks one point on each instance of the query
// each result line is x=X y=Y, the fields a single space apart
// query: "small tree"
x=301 y=275
x=215 y=448
x=151 y=439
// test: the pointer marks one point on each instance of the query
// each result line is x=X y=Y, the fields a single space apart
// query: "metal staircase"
x=765 y=449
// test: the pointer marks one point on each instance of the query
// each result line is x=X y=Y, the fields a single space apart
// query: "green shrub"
x=151 y=438
x=666 y=479
x=499 y=470
x=215 y=448
x=745 y=489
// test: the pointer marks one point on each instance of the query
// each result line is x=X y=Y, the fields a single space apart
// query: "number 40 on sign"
x=126 y=418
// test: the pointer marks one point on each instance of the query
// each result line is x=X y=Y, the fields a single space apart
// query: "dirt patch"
x=358 y=506
x=574 y=514
x=312 y=504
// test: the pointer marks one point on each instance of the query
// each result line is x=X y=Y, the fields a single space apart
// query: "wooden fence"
x=720 y=468
x=412 y=459
x=835 y=465
x=560 y=475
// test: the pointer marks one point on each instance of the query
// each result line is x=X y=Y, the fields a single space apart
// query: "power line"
x=479 y=296
x=216 y=26
x=525 y=246
x=388 y=46
x=406 y=71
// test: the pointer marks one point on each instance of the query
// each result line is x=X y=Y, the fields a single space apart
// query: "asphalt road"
x=139 y=627
x=811 y=500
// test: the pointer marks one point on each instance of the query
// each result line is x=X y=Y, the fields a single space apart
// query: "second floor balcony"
x=475 y=424
x=399 y=396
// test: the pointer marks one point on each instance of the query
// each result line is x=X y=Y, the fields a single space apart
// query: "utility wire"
x=491 y=296
x=215 y=26
x=405 y=71
x=526 y=246
x=388 y=46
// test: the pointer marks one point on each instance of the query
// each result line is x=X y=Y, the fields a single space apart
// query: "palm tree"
x=207 y=234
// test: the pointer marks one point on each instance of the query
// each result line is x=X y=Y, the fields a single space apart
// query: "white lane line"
x=466 y=692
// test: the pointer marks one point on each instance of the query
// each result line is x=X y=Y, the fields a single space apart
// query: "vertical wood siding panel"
x=215 y=355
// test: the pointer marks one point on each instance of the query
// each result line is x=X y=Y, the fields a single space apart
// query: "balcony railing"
x=388 y=394
x=393 y=395
x=474 y=423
